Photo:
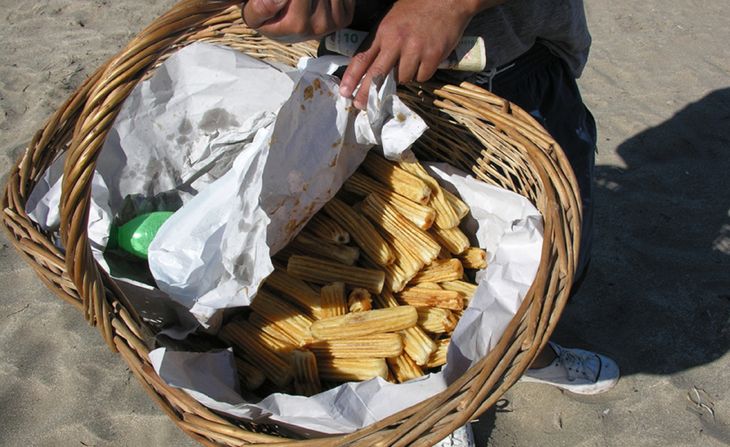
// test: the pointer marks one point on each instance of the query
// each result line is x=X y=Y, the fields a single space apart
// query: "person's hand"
x=297 y=20
x=415 y=36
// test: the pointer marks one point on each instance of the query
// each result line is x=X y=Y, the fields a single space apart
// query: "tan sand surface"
x=657 y=297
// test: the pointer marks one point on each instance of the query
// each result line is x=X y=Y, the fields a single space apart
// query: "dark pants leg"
x=548 y=91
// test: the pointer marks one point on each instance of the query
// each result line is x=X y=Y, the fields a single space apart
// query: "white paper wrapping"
x=246 y=150
x=215 y=251
x=504 y=223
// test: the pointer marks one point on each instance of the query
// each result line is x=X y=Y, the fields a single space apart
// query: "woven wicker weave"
x=469 y=128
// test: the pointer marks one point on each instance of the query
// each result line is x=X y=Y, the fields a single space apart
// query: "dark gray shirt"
x=513 y=28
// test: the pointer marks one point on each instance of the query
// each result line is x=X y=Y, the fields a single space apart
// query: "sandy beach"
x=656 y=298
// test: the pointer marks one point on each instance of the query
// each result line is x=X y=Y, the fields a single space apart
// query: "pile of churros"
x=372 y=287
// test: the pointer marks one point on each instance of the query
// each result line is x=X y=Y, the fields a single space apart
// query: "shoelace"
x=576 y=365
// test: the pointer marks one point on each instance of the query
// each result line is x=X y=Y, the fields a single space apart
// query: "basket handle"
x=104 y=102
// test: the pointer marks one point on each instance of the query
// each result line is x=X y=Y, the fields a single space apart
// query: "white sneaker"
x=461 y=437
x=577 y=371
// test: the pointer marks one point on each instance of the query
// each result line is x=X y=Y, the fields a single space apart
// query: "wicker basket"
x=469 y=127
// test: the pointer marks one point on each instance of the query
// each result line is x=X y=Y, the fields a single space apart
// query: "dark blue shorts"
x=542 y=84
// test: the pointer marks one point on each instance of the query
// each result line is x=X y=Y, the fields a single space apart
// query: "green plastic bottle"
x=135 y=236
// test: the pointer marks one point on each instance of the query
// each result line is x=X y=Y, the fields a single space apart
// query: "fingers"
x=345 y=12
x=376 y=72
x=429 y=63
x=408 y=68
x=292 y=24
x=322 y=17
x=359 y=65
x=301 y=20
x=375 y=63
x=257 y=12
x=341 y=13
x=425 y=72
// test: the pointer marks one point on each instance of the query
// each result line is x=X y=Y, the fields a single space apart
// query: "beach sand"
x=657 y=296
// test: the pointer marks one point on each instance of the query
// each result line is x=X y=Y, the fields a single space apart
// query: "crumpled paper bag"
x=215 y=251
x=247 y=150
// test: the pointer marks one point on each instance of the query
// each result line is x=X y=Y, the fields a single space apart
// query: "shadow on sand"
x=657 y=295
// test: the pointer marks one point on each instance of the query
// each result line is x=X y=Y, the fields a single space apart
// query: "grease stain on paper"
x=185 y=126
x=217 y=119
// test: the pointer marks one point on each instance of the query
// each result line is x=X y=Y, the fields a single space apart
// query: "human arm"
x=414 y=37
